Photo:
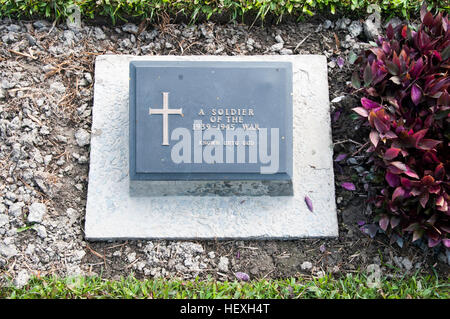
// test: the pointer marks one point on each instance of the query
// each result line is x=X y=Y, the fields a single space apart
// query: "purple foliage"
x=407 y=107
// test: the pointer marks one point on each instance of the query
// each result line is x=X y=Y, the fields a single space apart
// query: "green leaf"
x=352 y=56
x=412 y=227
x=21 y=229
x=290 y=7
x=392 y=67
x=355 y=80
x=417 y=234
x=441 y=114
x=307 y=11
x=368 y=77
x=445 y=54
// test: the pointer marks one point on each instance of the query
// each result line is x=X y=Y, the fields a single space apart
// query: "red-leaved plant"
x=407 y=106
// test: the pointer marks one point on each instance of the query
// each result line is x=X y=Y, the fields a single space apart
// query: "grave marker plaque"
x=227 y=125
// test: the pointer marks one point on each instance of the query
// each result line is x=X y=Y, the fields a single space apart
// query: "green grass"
x=194 y=9
x=350 y=286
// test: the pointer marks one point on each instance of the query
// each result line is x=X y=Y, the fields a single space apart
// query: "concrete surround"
x=111 y=212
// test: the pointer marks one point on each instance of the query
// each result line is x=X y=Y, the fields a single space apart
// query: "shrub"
x=407 y=107
x=235 y=9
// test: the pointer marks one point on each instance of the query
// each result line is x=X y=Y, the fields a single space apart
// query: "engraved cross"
x=165 y=111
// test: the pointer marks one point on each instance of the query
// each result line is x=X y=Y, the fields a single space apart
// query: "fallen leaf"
x=336 y=116
x=338 y=99
x=309 y=203
x=340 y=157
x=370 y=229
x=340 y=62
x=242 y=276
x=348 y=186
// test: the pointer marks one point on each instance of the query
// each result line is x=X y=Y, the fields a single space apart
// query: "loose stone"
x=223 y=264
x=36 y=212
x=82 y=137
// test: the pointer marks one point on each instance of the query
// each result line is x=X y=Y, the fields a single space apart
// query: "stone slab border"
x=111 y=213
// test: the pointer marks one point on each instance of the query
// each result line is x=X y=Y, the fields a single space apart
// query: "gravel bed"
x=46 y=97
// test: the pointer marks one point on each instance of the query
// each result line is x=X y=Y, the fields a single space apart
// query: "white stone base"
x=111 y=213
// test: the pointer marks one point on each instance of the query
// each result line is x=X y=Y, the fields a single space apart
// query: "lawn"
x=350 y=286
